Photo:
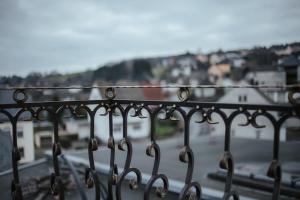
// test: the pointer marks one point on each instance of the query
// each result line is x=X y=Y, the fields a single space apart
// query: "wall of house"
x=247 y=96
x=268 y=77
x=25 y=139
x=80 y=127
x=249 y=131
x=136 y=127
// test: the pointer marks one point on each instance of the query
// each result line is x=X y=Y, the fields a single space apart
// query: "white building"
x=78 y=126
x=270 y=77
x=136 y=127
x=24 y=129
x=236 y=59
x=247 y=96
x=267 y=77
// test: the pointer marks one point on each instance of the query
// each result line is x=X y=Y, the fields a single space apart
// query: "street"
x=207 y=151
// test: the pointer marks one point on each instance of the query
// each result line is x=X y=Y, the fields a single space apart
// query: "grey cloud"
x=70 y=35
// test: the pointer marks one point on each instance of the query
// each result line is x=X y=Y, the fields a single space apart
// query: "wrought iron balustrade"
x=187 y=109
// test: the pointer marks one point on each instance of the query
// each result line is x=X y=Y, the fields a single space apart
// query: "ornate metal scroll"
x=153 y=150
x=113 y=171
x=20 y=98
x=187 y=156
x=133 y=183
x=276 y=114
x=91 y=175
x=56 y=185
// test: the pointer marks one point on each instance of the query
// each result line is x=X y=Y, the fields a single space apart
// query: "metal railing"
x=187 y=109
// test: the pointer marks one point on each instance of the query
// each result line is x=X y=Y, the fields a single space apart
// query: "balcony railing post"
x=113 y=170
x=187 y=156
x=133 y=184
x=20 y=97
x=153 y=150
x=16 y=190
x=91 y=175
x=57 y=187
x=227 y=161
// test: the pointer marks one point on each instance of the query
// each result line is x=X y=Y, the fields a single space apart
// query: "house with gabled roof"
x=247 y=96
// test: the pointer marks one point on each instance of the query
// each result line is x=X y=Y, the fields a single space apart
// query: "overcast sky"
x=71 y=35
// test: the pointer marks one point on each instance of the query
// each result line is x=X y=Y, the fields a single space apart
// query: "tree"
x=141 y=70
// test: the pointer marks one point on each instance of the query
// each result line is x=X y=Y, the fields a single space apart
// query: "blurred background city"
x=153 y=43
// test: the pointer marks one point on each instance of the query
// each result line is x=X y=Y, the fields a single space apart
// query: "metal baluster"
x=20 y=97
x=16 y=191
x=56 y=184
x=153 y=150
x=226 y=161
x=113 y=170
x=187 y=156
x=274 y=170
x=91 y=175
x=133 y=184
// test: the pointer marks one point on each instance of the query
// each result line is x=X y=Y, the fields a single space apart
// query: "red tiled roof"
x=153 y=94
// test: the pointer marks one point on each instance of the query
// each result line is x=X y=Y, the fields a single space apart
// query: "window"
x=117 y=128
x=46 y=141
x=242 y=98
x=22 y=153
x=19 y=133
x=136 y=126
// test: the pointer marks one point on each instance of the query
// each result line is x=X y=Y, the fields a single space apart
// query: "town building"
x=24 y=128
x=269 y=77
x=291 y=66
x=136 y=127
x=247 y=96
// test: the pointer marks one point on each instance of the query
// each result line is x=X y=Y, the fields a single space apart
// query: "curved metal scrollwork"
x=184 y=93
x=113 y=170
x=16 y=190
x=133 y=183
x=170 y=111
x=91 y=175
x=274 y=170
x=56 y=185
x=291 y=96
x=191 y=189
x=153 y=150
x=20 y=96
x=295 y=101
x=110 y=93
x=226 y=161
